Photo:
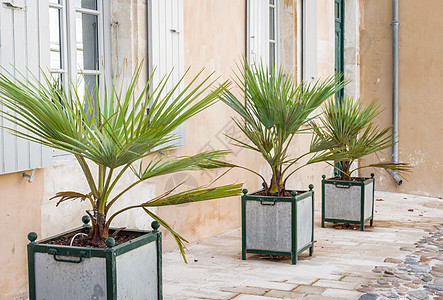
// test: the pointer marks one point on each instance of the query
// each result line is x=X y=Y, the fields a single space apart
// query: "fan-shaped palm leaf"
x=347 y=128
x=113 y=130
x=274 y=111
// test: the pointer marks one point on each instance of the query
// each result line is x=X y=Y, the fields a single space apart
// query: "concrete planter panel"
x=348 y=201
x=128 y=271
x=278 y=225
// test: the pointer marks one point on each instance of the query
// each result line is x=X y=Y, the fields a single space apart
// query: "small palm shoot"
x=113 y=132
x=274 y=112
x=347 y=127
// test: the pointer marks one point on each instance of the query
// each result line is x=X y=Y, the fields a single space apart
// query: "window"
x=67 y=37
x=77 y=44
x=263 y=32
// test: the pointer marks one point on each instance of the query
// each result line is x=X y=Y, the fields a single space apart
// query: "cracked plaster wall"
x=420 y=78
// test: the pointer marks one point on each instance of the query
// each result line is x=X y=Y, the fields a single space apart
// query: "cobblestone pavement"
x=418 y=276
x=341 y=267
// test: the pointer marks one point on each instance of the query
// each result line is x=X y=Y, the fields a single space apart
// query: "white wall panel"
x=310 y=41
x=165 y=46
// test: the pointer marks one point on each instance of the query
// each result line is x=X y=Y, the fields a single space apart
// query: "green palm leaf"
x=347 y=132
x=274 y=111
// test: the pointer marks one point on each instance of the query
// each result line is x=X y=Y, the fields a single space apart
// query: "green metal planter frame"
x=110 y=254
x=271 y=200
x=347 y=184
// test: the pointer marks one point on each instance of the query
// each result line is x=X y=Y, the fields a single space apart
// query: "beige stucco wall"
x=352 y=48
x=288 y=36
x=20 y=204
x=420 y=78
x=214 y=37
x=325 y=38
x=325 y=68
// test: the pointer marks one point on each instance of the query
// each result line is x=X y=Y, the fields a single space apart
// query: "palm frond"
x=115 y=136
x=201 y=161
x=347 y=132
x=275 y=109
x=115 y=129
x=178 y=238
x=70 y=195
x=196 y=195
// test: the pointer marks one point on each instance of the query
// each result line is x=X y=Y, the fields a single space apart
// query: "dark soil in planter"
x=85 y=240
x=356 y=179
x=286 y=194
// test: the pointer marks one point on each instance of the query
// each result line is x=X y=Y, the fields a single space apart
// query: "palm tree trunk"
x=276 y=183
x=99 y=229
x=346 y=166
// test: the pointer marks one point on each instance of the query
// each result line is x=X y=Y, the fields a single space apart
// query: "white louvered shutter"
x=165 y=47
x=258 y=32
x=22 y=49
x=309 y=41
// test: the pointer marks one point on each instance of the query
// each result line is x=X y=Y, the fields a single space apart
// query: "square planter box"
x=278 y=225
x=131 y=270
x=349 y=202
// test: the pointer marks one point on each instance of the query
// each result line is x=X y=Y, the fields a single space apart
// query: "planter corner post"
x=311 y=249
x=32 y=237
x=371 y=223
x=243 y=235
x=155 y=226
x=323 y=201
x=294 y=228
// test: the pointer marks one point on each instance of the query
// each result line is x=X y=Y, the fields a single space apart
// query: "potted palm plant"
x=277 y=220
x=347 y=127
x=111 y=133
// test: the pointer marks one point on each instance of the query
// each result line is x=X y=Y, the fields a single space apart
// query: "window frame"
x=68 y=46
x=258 y=31
x=274 y=4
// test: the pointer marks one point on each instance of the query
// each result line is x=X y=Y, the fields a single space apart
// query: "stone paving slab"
x=343 y=259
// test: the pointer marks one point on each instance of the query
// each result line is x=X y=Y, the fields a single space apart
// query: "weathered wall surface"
x=420 y=78
x=214 y=37
x=325 y=36
x=325 y=68
x=352 y=48
x=288 y=36
x=20 y=204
